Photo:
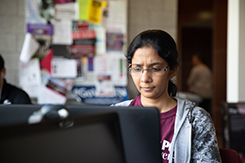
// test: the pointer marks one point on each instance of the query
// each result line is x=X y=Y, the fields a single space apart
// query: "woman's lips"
x=147 y=88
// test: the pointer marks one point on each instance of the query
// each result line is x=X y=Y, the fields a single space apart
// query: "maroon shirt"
x=167 y=120
x=136 y=101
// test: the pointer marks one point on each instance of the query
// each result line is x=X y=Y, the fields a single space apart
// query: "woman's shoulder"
x=123 y=103
x=201 y=113
x=201 y=119
x=195 y=113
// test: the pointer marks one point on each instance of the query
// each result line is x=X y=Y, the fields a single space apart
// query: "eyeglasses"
x=137 y=71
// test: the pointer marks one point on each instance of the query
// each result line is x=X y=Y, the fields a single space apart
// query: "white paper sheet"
x=32 y=12
x=103 y=77
x=62 y=32
x=30 y=46
x=64 y=68
x=118 y=67
x=49 y=96
x=116 y=18
x=29 y=73
x=66 y=11
x=30 y=77
x=112 y=64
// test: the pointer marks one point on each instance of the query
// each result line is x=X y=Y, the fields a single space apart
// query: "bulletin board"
x=75 y=48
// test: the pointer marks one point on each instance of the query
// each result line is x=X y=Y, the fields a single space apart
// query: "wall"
x=142 y=14
x=236 y=50
x=12 y=33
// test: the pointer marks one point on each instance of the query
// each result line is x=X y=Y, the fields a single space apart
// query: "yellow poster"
x=84 y=9
x=96 y=11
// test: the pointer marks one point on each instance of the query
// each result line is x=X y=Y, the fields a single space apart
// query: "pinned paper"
x=66 y=11
x=84 y=9
x=46 y=61
x=54 y=91
x=30 y=73
x=39 y=11
x=64 y=68
x=103 y=83
x=63 y=1
x=115 y=17
x=40 y=29
x=45 y=41
x=30 y=76
x=49 y=96
x=97 y=11
x=63 y=33
x=117 y=67
x=100 y=40
x=29 y=48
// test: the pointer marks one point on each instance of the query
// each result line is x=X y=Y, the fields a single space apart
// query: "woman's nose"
x=146 y=76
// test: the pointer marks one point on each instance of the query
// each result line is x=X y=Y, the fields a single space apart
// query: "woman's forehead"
x=147 y=55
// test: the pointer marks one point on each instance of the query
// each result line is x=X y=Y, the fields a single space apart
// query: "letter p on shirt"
x=165 y=145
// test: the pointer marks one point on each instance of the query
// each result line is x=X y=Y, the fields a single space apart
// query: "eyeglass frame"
x=149 y=70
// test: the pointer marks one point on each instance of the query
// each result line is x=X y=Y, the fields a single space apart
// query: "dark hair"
x=1 y=62
x=164 y=45
x=199 y=56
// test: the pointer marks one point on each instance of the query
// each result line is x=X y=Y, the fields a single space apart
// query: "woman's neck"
x=163 y=104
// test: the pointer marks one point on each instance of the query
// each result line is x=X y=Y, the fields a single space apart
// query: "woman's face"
x=150 y=86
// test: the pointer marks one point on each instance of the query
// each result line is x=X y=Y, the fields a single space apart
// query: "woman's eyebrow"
x=156 y=63
x=135 y=64
x=152 y=64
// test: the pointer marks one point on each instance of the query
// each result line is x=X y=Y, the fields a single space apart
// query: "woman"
x=187 y=131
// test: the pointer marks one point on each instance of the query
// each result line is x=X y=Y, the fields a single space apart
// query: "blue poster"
x=87 y=95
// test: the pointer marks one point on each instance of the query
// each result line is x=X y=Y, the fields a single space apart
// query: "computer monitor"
x=16 y=113
x=140 y=128
x=89 y=138
x=233 y=115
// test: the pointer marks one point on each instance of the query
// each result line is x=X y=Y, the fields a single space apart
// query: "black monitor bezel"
x=11 y=132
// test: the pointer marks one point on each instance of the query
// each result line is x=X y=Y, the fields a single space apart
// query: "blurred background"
x=197 y=26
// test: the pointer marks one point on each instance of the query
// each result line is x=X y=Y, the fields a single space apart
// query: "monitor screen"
x=140 y=127
x=89 y=138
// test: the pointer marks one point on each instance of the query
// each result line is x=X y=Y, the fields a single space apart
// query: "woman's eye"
x=156 y=69
x=137 y=69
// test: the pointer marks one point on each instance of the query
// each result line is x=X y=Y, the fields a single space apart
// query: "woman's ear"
x=3 y=72
x=174 y=72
